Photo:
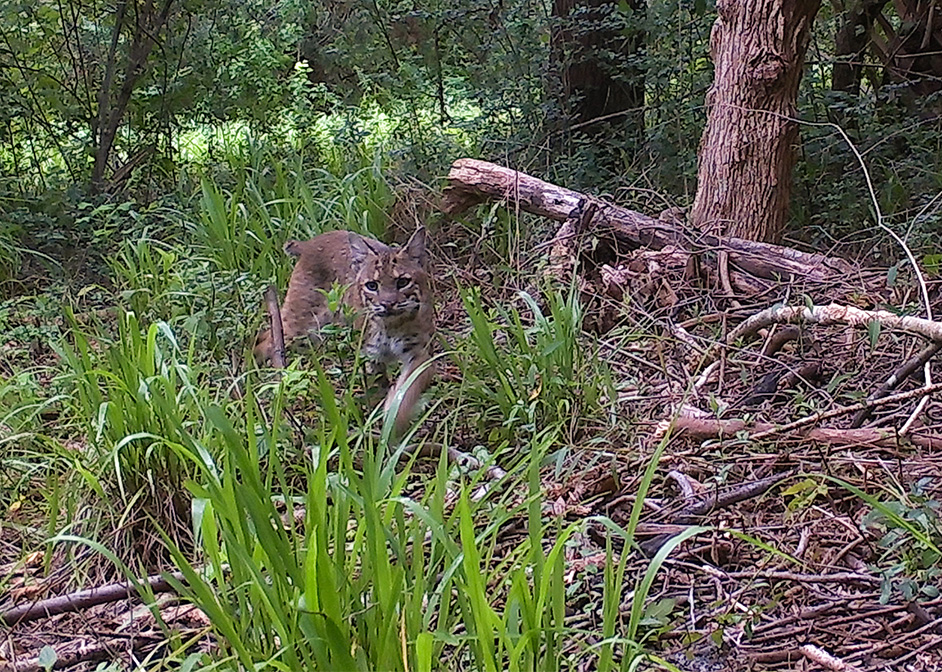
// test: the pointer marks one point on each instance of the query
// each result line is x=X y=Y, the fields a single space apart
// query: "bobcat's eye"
x=403 y=282
x=372 y=285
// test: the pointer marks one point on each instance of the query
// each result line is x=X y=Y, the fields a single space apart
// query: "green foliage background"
x=425 y=83
x=128 y=308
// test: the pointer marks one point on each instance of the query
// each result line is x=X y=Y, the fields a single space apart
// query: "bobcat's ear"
x=415 y=248
x=360 y=249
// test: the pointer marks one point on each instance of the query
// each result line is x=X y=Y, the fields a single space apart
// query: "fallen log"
x=472 y=181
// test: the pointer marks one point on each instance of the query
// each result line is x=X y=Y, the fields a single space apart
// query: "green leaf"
x=423 y=652
x=932 y=263
x=891 y=274
x=48 y=657
x=873 y=331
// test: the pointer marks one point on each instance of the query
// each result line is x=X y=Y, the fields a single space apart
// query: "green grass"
x=305 y=539
x=352 y=573
x=528 y=367
x=139 y=399
x=243 y=227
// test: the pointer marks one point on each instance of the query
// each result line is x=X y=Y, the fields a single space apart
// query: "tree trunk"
x=594 y=50
x=748 y=147
x=149 y=24
x=850 y=44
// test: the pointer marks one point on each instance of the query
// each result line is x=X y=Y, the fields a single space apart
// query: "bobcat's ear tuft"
x=415 y=248
x=360 y=249
x=293 y=248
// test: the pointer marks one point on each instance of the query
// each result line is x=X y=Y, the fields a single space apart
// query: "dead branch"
x=711 y=428
x=807 y=614
x=683 y=482
x=731 y=496
x=86 y=653
x=277 y=331
x=473 y=181
x=836 y=577
x=825 y=659
x=780 y=379
x=844 y=410
x=778 y=340
x=694 y=510
x=83 y=599
x=826 y=315
x=908 y=368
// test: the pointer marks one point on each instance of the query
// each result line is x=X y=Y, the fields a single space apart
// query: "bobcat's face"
x=392 y=283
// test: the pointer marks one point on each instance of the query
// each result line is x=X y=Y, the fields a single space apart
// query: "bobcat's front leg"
x=406 y=393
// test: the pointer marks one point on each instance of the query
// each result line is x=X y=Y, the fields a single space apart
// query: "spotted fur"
x=388 y=290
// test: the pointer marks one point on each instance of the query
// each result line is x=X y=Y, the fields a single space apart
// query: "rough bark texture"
x=748 y=147
x=473 y=181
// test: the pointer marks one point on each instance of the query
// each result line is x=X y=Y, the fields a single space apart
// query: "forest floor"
x=820 y=553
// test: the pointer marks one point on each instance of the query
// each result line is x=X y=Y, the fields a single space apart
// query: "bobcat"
x=388 y=288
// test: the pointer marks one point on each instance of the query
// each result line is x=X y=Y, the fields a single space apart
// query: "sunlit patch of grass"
x=329 y=139
x=243 y=225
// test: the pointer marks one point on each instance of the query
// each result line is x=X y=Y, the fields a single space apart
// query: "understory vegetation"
x=305 y=535
x=138 y=436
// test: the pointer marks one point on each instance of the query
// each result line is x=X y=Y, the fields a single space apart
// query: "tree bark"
x=747 y=151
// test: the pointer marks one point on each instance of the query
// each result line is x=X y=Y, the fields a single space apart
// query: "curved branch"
x=832 y=313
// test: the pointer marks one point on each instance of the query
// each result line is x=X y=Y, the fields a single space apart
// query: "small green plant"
x=147 y=271
x=909 y=527
x=228 y=232
x=537 y=373
x=138 y=400
x=11 y=256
